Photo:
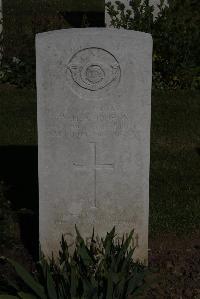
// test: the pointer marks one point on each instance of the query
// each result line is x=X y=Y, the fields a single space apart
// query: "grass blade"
x=8 y=297
x=28 y=279
x=26 y=296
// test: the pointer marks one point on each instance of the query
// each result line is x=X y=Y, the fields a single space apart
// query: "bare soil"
x=176 y=263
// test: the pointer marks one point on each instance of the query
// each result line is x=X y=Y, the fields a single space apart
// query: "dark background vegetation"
x=175 y=31
x=23 y=19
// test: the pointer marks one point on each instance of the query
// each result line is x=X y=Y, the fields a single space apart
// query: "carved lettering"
x=106 y=121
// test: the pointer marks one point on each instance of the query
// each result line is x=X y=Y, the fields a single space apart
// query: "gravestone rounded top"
x=119 y=33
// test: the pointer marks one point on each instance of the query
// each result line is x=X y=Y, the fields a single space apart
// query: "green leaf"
x=26 y=296
x=28 y=280
x=63 y=252
x=109 y=241
x=90 y=288
x=73 y=280
x=124 y=248
x=83 y=251
x=136 y=282
x=50 y=284
x=8 y=297
x=13 y=285
x=85 y=256
x=109 y=294
x=127 y=260
x=64 y=289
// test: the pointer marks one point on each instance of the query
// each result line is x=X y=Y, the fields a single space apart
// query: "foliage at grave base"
x=91 y=272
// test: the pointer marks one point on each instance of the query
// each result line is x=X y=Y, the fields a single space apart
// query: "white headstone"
x=94 y=101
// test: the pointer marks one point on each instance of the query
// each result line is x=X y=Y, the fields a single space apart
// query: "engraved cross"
x=95 y=166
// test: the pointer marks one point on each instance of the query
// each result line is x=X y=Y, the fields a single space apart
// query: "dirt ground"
x=176 y=263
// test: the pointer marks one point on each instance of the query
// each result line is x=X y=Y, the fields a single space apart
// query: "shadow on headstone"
x=19 y=171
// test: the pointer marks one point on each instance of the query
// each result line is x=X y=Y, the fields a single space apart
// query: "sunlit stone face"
x=94 y=88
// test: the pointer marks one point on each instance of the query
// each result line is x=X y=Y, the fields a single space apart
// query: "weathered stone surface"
x=94 y=90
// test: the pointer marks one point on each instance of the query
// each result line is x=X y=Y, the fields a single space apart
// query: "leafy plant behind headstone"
x=23 y=19
x=176 y=37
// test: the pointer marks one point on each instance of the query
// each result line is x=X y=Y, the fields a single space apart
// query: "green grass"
x=18 y=122
x=175 y=162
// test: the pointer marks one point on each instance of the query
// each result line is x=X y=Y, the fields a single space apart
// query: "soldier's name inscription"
x=77 y=124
